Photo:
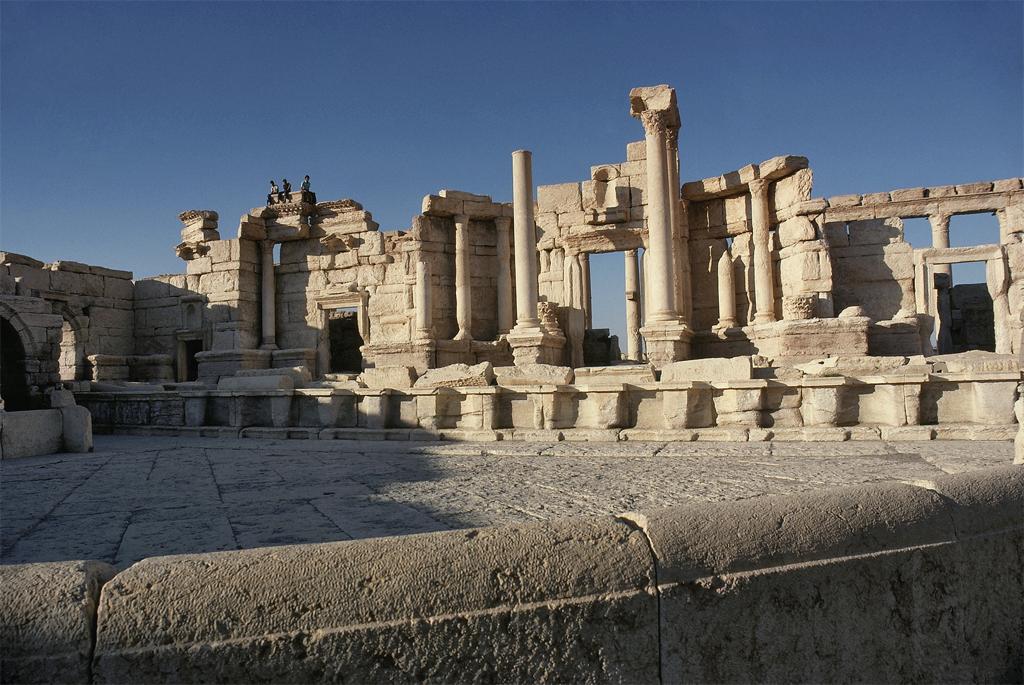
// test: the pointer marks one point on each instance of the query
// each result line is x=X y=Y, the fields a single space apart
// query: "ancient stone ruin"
x=756 y=311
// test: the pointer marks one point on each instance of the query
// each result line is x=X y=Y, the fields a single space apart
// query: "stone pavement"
x=136 y=497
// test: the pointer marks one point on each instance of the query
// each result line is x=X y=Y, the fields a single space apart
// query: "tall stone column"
x=940 y=238
x=684 y=280
x=660 y=257
x=463 y=293
x=667 y=337
x=506 y=317
x=726 y=292
x=680 y=253
x=764 y=284
x=633 y=344
x=588 y=303
x=531 y=343
x=268 y=292
x=525 y=239
x=423 y=301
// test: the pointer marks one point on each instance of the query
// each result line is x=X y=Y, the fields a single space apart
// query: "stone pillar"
x=531 y=342
x=269 y=311
x=633 y=345
x=764 y=284
x=940 y=238
x=726 y=292
x=679 y=293
x=943 y=313
x=667 y=337
x=588 y=305
x=463 y=293
x=684 y=281
x=660 y=257
x=525 y=240
x=506 y=317
x=423 y=301
x=645 y=305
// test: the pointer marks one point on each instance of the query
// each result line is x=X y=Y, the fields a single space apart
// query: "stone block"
x=457 y=376
x=76 y=425
x=636 y=151
x=907 y=194
x=794 y=230
x=713 y=369
x=397 y=377
x=30 y=433
x=49 y=616
x=262 y=383
x=533 y=374
x=565 y=600
x=974 y=188
x=561 y=198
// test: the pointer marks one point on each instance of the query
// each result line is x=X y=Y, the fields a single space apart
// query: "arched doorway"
x=13 y=381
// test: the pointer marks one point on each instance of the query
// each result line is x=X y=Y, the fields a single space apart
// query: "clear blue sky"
x=115 y=117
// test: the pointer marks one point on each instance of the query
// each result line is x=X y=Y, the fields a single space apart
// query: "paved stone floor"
x=136 y=497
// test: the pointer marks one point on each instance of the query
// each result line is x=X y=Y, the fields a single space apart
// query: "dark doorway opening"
x=973 y=326
x=13 y=383
x=345 y=341
x=192 y=347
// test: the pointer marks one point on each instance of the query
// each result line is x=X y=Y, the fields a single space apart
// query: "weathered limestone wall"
x=90 y=306
x=874 y=267
x=878 y=583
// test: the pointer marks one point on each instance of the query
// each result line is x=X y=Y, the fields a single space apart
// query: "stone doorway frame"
x=997 y=281
x=327 y=301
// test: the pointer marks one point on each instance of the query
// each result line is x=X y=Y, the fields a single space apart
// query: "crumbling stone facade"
x=747 y=265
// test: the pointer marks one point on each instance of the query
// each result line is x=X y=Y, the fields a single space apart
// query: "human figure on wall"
x=274 y=192
x=307 y=194
x=286 y=194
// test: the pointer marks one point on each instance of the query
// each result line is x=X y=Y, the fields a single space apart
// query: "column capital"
x=939 y=220
x=672 y=137
x=656 y=122
x=502 y=223
x=461 y=219
x=758 y=186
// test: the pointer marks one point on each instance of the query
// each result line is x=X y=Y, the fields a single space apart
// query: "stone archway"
x=74 y=332
x=14 y=381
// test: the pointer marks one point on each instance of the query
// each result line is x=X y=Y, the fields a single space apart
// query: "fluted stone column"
x=269 y=308
x=423 y=301
x=525 y=239
x=940 y=238
x=588 y=304
x=764 y=284
x=506 y=317
x=726 y=292
x=463 y=293
x=633 y=343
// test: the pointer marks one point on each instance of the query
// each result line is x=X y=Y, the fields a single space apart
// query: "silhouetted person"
x=286 y=194
x=274 y=192
x=306 y=191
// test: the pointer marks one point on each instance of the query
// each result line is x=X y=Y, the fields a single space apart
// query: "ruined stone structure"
x=754 y=311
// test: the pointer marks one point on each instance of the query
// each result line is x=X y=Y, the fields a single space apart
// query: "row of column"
x=463 y=283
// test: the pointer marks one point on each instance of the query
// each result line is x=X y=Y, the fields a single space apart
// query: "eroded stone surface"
x=137 y=497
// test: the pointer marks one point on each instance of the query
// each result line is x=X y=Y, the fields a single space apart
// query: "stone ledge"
x=538 y=602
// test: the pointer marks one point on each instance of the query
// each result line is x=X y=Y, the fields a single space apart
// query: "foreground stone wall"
x=878 y=583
